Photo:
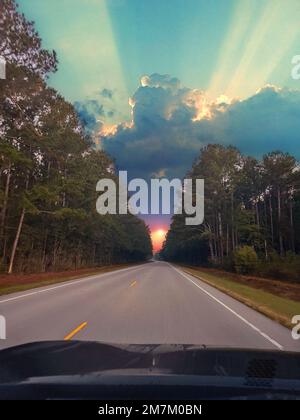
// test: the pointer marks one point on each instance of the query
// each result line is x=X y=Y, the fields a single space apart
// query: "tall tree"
x=20 y=43
x=247 y=203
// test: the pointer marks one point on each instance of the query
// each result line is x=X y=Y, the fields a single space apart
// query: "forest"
x=49 y=169
x=252 y=215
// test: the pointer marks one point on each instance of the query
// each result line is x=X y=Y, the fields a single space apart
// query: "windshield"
x=149 y=177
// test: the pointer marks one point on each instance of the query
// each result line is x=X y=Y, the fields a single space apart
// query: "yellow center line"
x=79 y=328
x=133 y=283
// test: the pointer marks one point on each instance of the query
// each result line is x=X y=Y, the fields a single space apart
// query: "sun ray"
x=265 y=48
x=284 y=44
x=234 y=39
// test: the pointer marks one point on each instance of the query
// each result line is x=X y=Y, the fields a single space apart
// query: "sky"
x=153 y=81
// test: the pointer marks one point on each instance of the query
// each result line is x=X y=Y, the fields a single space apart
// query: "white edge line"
x=275 y=343
x=68 y=283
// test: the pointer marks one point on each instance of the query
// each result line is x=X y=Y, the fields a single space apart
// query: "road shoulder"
x=274 y=307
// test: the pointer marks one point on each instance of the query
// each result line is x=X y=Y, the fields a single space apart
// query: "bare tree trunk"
x=257 y=214
x=16 y=241
x=44 y=252
x=5 y=201
x=64 y=193
x=266 y=250
x=210 y=243
x=237 y=239
x=221 y=236
x=292 y=226
x=232 y=223
x=265 y=214
x=271 y=220
x=279 y=221
x=227 y=240
x=55 y=251
x=48 y=169
x=78 y=255
x=215 y=239
x=211 y=249
x=19 y=229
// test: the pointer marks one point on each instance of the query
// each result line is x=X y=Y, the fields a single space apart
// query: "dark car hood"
x=63 y=358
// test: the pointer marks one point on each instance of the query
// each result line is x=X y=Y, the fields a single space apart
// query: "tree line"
x=49 y=169
x=252 y=214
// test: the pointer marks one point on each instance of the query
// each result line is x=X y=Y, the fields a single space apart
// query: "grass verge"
x=275 y=307
x=19 y=283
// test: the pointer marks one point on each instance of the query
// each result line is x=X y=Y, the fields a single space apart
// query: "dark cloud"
x=92 y=114
x=89 y=112
x=269 y=120
x=110 y=114
x=106 y=93
x=170 y=123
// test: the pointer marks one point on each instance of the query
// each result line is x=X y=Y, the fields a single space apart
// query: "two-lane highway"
x=145 y=304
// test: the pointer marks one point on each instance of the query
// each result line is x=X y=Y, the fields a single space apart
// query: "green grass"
x=275 y=307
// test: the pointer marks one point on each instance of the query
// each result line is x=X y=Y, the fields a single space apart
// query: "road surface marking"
x=79 y=328
x=275 y=343
x=69 y=283
x=133 y=284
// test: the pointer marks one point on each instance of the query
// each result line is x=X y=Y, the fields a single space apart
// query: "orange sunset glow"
x=158 y=236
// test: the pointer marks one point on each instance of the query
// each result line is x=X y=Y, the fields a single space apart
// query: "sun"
x=158 y=236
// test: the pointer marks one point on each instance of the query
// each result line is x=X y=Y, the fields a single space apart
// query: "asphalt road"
x=154 y=303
